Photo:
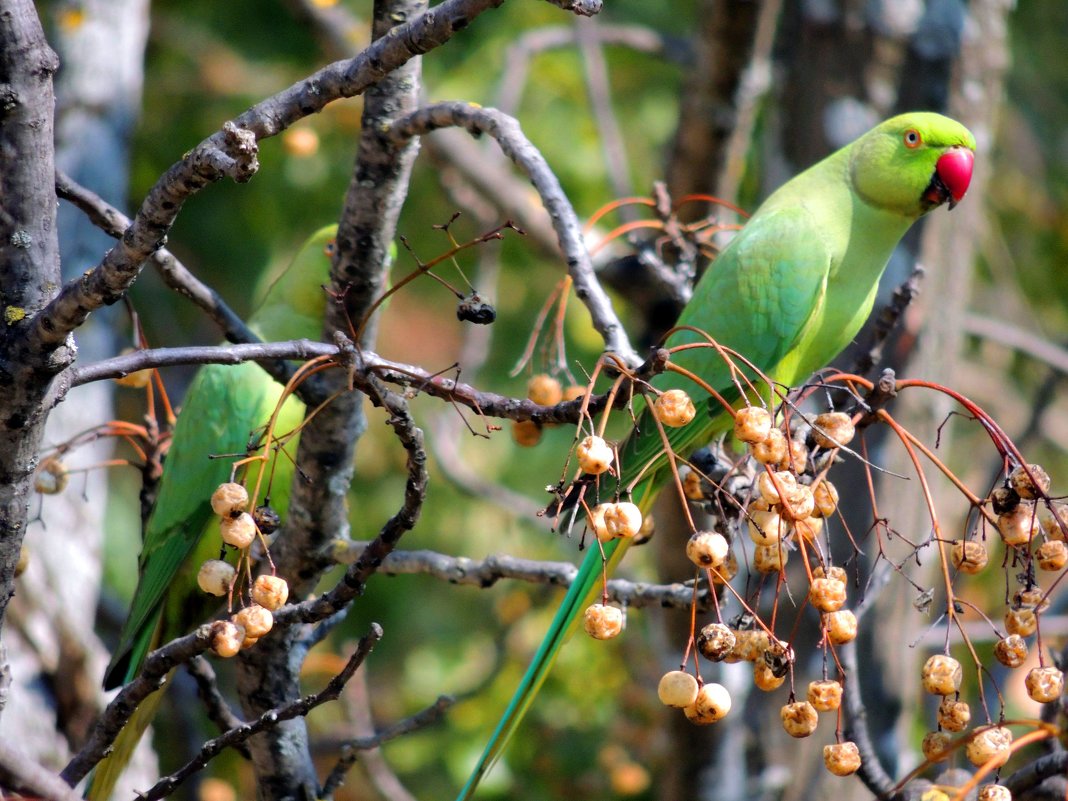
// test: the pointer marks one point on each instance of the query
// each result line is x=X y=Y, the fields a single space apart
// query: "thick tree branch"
x=20 y=773
x=518 y=148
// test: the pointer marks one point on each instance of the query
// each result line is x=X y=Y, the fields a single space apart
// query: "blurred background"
x=707 y=96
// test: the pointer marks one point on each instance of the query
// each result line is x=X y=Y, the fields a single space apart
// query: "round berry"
x=767 y=528
x=770 y=558
x=215 y=577
x=1044 y=684
x=602 y=622
x=825 y=495
x=1053 y=517
x=226 y=638
x=707 y=549
x=772 y=450
x=1030 y=598
x=953 y=715
x=693 y=485
x=833 y=429
x=799 y=503
x=827 y=595
x=238 y=531
x=935 y=746
x=270 y=592
x=677 y=688
x=1052 y=555
x=713 y=702
x=825 y=695
x=968 y=556
x=752 y=424
x=526 y=433
x=715 y=641
x=545 y=390
x=255 y=619
x=841 y=626
x=830 y=571
x=994 y=792
x=267 y=519
x=797 y=456
x=595 y=521
x=594 y=455
x=1030 y=486
x=623 y=519
x=799 y=718
x=229 y=499
x=842 y=759
x=765 y=678
x=52 y=476
x=809 y=529
x=989 y=746
x=1021 y=621
x=772 y=489
x=942 y=675
x=674 y=408
x=1019 y=526
x=574 y=392
x=1011 y=651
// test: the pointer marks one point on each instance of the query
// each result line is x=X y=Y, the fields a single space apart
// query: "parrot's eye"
x=330 y=248
x=912 y=138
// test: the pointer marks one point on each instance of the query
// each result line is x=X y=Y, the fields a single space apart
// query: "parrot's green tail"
x=106 y=775
x=581 y=593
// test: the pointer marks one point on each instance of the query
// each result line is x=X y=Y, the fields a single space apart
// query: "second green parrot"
x=222 y=410
x=789 y=292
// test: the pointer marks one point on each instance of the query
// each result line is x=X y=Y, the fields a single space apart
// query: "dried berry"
x=826 y=594
x=773 y=486
x=229 y=500
x=799 y=718
x=238 y=531
x=707 y=549
x=953 y=715
x=994 y=792
x=1021 y=621
x=473 y=309
x=770 y=558
x=1011 y=651
x=935 y=746
x=765 y=678
x=713 y=702
x=1019 y=526
x=226 y=638
x=270 y=592
x=841 y=626
x=752 y=424
x=267 y=519
x=255 y=619
x=772 y=450
x=968 y=556
x=526 y=433
x=545 y=390
x=990 y=746
x=674 y=408
x=215 y=577
x=677 y=688
x=602 y=622
x=826 y=496
x=1053 y=517
x=833 y=429
x=1003 y=500
x=52 y=476
x=767 y=528
x=808 y=529
x=622 y=519
x=942 y=675
x=825 y=695
x=715 y=641
x=1052 y=555
x=842 y=759
x=1030 y=482
x=1044 y=684
x=594 y=455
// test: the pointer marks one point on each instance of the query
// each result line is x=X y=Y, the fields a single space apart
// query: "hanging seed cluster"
x=781 y=500
x=239 y=529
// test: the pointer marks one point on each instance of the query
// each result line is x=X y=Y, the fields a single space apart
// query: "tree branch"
x=518 y=148
x=20 y=773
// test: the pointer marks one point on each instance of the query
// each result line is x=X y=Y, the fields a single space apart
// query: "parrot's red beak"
x=953 y=173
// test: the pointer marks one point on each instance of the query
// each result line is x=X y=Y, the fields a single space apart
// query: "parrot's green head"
x=294 y=302
x=912 y=163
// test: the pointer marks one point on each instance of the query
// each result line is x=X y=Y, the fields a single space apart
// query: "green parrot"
x=789 y=292
x=223 y=408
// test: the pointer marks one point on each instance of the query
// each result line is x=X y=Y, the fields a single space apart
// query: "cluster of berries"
x=543 y=390
x=239 y=529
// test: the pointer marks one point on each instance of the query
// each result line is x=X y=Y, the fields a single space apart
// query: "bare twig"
x=268 y=720
x=519 y=149
x=350 y=749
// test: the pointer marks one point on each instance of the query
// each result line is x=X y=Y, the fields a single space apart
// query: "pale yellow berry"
x=935 y=746
x=238 y=531
x=830 y=571
x=1052 y=555
x=968 y=556
x=990 y=746
x=772 y=450
x=1029 y=486
x=826 y=496
x=727 y=571
x=772 y=489
x=767 y=528
x=1019 y=526
x=770 y=558
x=595 y=521
x=545 y=390
x=1044 y=684
x=1030 y=598
x=808 y=529
x=594 y=455
x=841 y=626
x=715 y=641
x=52 y=476
x=833 y=429
x=674 y=408
x=799 y=718
x=942 y=675
x=602 y=622
x=994 y=792
x=215 y=577
x=764 y=677
x=707 y=549
x=825 y=695
x=799 y=503
x=138 y=379
x=248 y=642
x=1021 y=621
x=1053 y=517
x=623 y=519
x=646 y=530
x=526 y=433
x=693 y=485
x=574 y=392
x=677 y=688
x=797 y=457
x=300 y=142
x=256 y=620
x=713 y=702
x=270 y=592
x=953 y=715
x=752 y=424
x=842 y=759
x=1011 y=651
x=827 y=595
x=229 y=499
x=226 y=638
